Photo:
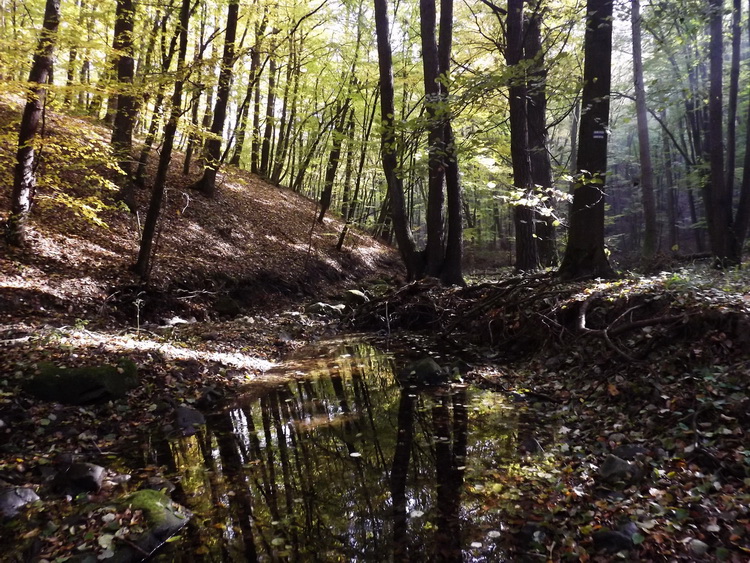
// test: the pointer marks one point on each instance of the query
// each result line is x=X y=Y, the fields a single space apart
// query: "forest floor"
x=641 y=385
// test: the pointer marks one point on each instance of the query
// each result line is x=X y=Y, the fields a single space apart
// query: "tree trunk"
x=143 y=266
x=156 y=116
x=24 y=180
x=585 y=256
x=435 y=109
x=389 y=149
x=672 y=204
x=523 y=214
x=122 y=133
x=72 y=58
x=650 y=233
x=452 y=268
x=536 y=119
x=333 y=161
x=265 y=151
x=742 y=217
x=207 y=184
x=716 y=199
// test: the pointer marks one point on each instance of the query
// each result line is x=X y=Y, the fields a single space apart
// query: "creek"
x=340 y=463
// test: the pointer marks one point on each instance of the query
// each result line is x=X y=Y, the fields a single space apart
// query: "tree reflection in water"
x=338 y=465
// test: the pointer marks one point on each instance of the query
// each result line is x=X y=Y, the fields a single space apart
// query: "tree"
x=122 y=133
x=207 y=183
x=717 y=200
x=524 y=217
x=143 y=265
x=452 y=270
x=24 y=178
x=388 y=144
x=644 y=147
x=585 y=256
x=436 y=107
x=536 y=120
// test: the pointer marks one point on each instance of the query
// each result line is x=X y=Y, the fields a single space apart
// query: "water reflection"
x=342 y=464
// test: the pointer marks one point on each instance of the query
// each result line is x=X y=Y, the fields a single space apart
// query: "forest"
x=345 y=280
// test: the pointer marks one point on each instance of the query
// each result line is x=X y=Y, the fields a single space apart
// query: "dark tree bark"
x=265 y=151
x=716 y=199
x=389 y=147
x=73 y=58
x=527 y=258
x=650 y=229
x=122 y=133
x=734 y=86
x=287 y=113
x=207 y=184
x=452 y=270
x=333 y=161
x=435 y=107
x=253 y=82
x=24 y=179
x=143 y=265
x=585 y=256
x=536 y=119
x=156 y=117
x=742 y=218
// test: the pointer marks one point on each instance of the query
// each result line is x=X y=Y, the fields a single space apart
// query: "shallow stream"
x=342 y=464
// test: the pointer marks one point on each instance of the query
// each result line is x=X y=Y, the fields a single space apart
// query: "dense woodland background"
x=292 y=92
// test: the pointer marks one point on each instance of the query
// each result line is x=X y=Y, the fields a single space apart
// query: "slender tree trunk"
x=742 y=217
x=24 y=178
x=672 y=203
x=452 y=268
x=523 y=214
x=207 y=184
x=287 y=116
x=73 y=58
x=716 y=199
x=143 y=265
x=585 y=256
x=333 y=161
x=536 y=118
x=650 y=233
x=435 y=108
x=122 y=133
x=734 y=86
x=265 y=151
x=388 y=144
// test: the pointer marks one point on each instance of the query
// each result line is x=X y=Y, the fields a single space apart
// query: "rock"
x=530 y=445
x=531 y=533
x=629 y=451
x=423 y=372
x=83 y=385
x=15 y=498
x=616 y=469
x=227 y=306
x=160 y=484
x=698 y=547
x=617 y=437
x=324 y=309
x=79 y=478
x=188 y=418
x=163 y=518
x=612 y=542
x=354 y=298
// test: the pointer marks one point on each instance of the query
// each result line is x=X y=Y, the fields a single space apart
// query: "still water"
x=342 y=464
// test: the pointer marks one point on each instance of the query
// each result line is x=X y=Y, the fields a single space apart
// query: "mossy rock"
x=163 y=518
x=424 y=372
x=82 y=385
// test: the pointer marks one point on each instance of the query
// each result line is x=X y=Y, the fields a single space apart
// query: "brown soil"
x=253 y=248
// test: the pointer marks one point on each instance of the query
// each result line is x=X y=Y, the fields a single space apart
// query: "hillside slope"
x=253 y=246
